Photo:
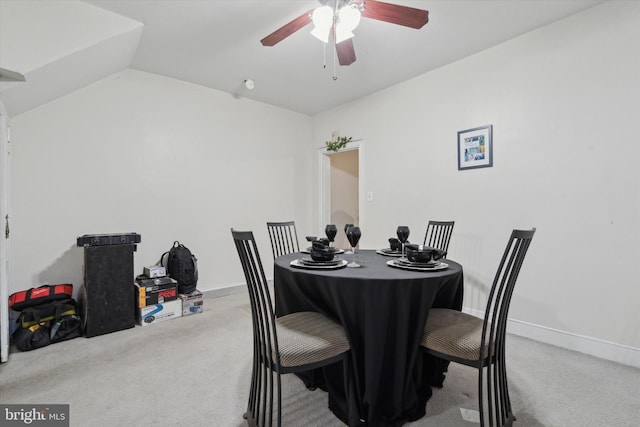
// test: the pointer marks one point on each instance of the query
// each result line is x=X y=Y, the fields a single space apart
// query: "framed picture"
x=475 y=148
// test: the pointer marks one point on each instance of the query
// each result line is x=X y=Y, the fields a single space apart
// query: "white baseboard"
x=228 y=289
x=594 y=347
x=224 y=291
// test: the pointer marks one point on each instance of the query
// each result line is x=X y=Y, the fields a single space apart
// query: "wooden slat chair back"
x=438 y=234
x=284 y=238
x=480 y=342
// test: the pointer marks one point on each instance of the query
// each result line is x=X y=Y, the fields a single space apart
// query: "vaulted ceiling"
x=61 y=46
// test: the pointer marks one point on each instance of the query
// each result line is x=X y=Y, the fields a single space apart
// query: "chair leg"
x=505 y=402
x=311 y=384
x=279 y=377
x=497 y=396
x=480 y=399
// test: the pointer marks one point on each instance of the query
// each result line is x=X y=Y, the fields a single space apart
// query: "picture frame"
x=475 y=148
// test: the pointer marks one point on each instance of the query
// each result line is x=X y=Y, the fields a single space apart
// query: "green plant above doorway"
x=338 y=144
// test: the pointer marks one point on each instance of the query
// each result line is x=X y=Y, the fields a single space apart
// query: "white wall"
x=170 y=160
x=564 y=102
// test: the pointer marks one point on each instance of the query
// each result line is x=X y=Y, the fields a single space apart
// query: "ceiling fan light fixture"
x=337 y=19
x=349 y=17
x=348 y=20
x=322 y=19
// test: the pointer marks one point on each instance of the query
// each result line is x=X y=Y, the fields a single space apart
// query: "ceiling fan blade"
x=395 y=14
x=346 y=53
x=287 y=29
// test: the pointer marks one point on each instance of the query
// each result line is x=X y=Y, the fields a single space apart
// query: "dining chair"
x=480 y=342
x=284 y=238
x=288 y=344
x=438 y=234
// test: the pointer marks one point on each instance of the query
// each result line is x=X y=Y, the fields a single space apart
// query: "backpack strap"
x=161 y=262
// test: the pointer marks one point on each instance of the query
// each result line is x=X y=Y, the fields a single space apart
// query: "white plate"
x=336 y=251
x=438 y=266
x=388 y=252
x=298 y=264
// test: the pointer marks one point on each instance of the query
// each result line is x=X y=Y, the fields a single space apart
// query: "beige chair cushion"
x=454 y=333
x=308 y=337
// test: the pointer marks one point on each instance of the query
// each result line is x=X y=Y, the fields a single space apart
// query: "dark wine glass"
x=403 y=235
x=353 y=235
x=346 y=228
x=331 y=230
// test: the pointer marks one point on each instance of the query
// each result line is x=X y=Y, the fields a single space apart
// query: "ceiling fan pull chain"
x=335 y=52
x=324 y=55
x=335 y=57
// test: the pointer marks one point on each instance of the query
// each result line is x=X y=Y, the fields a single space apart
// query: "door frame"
x=324 y=188
x=5 y=174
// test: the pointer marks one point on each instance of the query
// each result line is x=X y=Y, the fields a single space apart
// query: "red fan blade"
x=287 y=29
x=395 y=14
x=346 y=53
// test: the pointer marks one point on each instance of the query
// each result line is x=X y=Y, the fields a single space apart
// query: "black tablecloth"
x=383 y=310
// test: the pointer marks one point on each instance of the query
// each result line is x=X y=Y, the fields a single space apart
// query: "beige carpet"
x=194 y=371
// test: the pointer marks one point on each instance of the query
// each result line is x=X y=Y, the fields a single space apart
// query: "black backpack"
x=182 y=266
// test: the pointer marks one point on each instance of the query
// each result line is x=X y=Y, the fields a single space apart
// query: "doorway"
x=344 y=193
x=341 y=189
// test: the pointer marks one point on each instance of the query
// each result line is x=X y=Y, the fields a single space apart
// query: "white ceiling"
x=216 y=43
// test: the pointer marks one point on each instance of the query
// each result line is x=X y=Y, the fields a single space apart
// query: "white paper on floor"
x=470 y=415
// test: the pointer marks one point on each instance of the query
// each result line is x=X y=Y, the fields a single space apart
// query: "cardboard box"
x=155 y=291
x=192 y=304
x=159 y=312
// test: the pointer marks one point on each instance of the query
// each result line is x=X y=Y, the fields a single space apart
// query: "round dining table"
x=383 y=310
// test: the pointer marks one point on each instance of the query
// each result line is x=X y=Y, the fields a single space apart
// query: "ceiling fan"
x=340 y=17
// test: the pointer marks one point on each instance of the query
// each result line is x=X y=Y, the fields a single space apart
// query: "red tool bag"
x=34 y=296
